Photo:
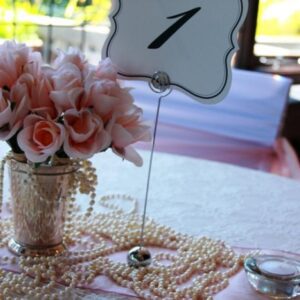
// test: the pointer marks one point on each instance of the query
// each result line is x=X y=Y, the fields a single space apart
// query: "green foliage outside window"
x=25 y=13
x=20 y=12
x=54 y=8
x=90 y=11
x=278 y=17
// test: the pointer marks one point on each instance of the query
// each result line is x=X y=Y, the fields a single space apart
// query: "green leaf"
x=12 y=105
x=12 y=142
x=36 y=165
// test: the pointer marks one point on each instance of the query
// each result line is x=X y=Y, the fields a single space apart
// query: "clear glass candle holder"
x=276 y=276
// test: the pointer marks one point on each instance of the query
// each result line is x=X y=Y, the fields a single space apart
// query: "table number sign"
x=192 y=41
x=186 y=44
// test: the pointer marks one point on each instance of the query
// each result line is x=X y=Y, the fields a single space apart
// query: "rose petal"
x=130 y=154
x=121 y=137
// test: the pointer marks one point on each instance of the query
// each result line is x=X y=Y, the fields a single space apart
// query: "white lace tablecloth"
x=243 y=207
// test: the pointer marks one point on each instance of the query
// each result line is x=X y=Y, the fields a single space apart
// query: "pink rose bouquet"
x=68 y=109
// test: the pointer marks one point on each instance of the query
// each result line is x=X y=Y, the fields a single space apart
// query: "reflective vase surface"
x=38 y=207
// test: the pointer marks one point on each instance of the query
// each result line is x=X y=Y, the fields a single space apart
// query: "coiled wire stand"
x=140 y=256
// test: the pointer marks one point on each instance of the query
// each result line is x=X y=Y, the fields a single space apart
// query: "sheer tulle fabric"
x=243 y=129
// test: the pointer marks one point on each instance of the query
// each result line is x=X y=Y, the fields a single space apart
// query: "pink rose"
x=107 y=98
x=13 y=110
x=122 y=118
x=14 y=59
x=67 y=87
x=106 y=70
x=88 y=74
x=72 y=56
x=6 y=115
x=128 y=129
x=101 y=97
x=41 y=103
x=40 y=138
x=71 y=105
x=38 y=90
x=100 y=78
x=85 y=134
x=33 y=68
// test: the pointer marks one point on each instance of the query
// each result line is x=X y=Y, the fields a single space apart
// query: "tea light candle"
x=278 y=268
x=273 y=275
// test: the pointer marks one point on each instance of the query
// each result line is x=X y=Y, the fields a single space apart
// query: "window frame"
x=245 y=57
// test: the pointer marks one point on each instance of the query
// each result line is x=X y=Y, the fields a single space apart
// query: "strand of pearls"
x=185 y=268
x=2 y=165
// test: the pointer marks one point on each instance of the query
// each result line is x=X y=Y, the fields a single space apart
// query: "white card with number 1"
x=191 y=40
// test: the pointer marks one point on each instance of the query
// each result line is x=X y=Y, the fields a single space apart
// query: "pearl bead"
x=202 y=265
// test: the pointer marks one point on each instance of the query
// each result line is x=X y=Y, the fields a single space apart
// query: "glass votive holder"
x=276 y=276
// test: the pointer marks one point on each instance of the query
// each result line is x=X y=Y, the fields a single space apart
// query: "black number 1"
x=185 y=16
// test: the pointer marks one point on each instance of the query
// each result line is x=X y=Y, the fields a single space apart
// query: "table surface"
x=245 y=208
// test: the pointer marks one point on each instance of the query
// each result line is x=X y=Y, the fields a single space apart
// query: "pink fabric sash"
x=280 y=159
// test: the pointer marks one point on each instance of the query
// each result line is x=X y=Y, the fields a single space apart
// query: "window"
x=50 y=24
x=271 y=38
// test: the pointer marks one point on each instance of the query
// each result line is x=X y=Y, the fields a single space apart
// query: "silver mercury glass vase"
x=38 y=207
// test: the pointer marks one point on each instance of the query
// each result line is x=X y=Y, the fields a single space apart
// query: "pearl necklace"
x=185 y=268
